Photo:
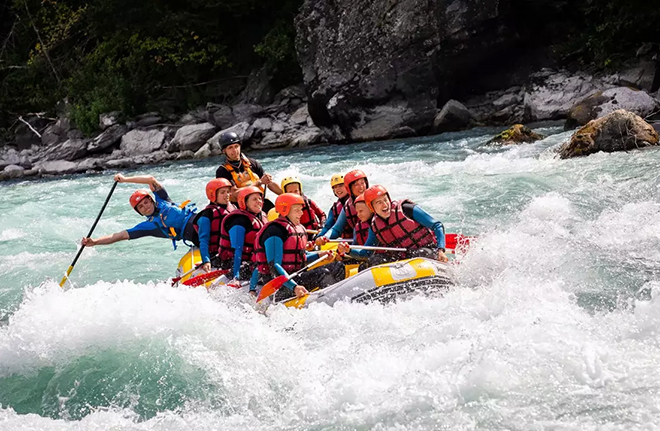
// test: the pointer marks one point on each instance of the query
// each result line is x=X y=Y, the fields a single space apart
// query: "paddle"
x=341 y=240
x=276 y=283
x=453 y=240
x=368 y=247
x=203 y=278
x=98 y=217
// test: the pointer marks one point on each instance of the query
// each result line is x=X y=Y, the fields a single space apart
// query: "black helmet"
x=228 y=138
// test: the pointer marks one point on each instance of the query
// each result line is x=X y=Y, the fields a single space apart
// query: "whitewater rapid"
x=553 y=324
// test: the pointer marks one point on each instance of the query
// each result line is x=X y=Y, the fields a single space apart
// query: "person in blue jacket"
x=165 y=219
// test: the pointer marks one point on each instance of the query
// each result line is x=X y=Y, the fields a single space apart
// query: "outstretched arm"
x=108 y=239
x=141 y=179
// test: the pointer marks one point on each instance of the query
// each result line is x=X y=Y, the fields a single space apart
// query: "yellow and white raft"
x=385 y=283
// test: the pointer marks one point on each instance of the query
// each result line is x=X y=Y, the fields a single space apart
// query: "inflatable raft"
x=385 y=283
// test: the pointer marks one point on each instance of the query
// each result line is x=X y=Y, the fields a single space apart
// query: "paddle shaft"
x=341 y=240
x=98 y=217
x=367 y=247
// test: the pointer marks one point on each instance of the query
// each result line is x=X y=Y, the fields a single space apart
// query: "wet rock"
x=552 y=94
x=91 y=164
x=57 y=167
x=13 y=171
x=605 y=102
x=191 y=138
x=55 y=132
x=618 y=131
x=141 y=142
x=516 y=134
x=109 y=119
x=453 y=116
x=111 y=136
x=71 y=149
x=241 y=129
x=289 y=93
x=639 y=75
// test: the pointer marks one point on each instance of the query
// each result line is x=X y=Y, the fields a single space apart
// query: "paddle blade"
x=203 y=278
x=272 y=287
x=455 y=240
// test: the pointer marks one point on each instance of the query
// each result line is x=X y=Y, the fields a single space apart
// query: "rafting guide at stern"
x=243 y=171
x=165 y=219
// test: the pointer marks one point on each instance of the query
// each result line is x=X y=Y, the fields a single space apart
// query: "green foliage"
x=124 y=54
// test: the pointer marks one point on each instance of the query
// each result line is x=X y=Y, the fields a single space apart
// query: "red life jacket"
x=309 y=218
x=257 y=221
x=362 y=232
x=293 y=256
x=216 y=214
x=336 y=208
x=352 y=218
x=401 y=231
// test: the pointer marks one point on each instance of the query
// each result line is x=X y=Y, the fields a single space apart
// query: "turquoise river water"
x=554 y=324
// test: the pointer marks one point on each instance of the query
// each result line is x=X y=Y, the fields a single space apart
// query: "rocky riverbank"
x=45 y=147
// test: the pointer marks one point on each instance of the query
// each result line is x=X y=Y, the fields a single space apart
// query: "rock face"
x=602 y=103
x=551 y=95
x=516 y=134
x=373 y=68
x=619 y=131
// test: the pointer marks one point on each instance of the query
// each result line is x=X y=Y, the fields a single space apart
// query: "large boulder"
x=141 y=142
x=452 y=117
x=550 y=95
x=223 y=116
x=357 y=56
x=71 y=149
x=605 y=102
x=516 y=134
x=13 y=171
x=619 y=131
x=108 y=138
x=57 y=167
x=56 y=132
x=191 y=137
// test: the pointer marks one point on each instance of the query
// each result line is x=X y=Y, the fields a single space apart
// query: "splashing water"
x=554 y=324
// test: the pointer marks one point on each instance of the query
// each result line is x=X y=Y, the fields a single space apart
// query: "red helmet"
x=373 y=193
x=244 y=193
x=137 y=196
x=360 y=198
x=213 y=186
x=285 y=201
x=352 y=177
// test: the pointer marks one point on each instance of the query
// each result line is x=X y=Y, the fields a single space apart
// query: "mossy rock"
x=620 y=130
x=516 y=134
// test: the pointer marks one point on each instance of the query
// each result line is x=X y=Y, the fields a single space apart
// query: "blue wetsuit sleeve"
x=254 y=280
x=146 y=228
x=425 y=219
x=274 y=251
x=204 y=233
x=338 y=228
x=161 y=195
x=329 y=222
x=237 y=238
x=371 y=241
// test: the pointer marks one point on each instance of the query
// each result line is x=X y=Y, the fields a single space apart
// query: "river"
x=554 y=324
